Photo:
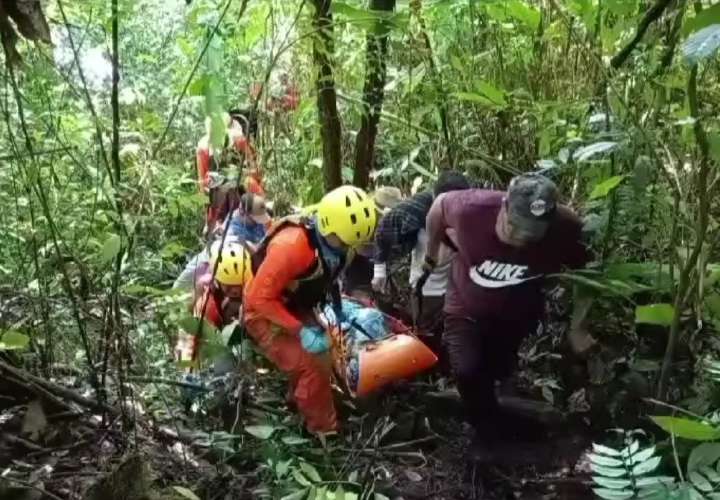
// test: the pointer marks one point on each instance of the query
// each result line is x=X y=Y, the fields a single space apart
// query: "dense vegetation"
x=617 y=100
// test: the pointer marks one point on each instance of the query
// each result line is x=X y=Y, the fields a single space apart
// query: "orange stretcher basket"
x=381 y=362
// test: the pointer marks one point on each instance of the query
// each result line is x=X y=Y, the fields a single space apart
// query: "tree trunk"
x=373 y=94
x=330 y=129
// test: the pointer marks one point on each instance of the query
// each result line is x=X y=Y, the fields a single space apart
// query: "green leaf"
x=621 y=7
x=604 y=461
x=12 y=340
x=714 y=139
x=702 y=455
x=298 y=495
x=294 y=440
x=524 y=13
x=218 y=130
x=645 y=482
x=192 y=325
x=473 y=97
x=608 y=471
x=185 y=493
x=614 y=484
x=339 y=493
x=494 y=94
x=301 y=480
x=111 y=247
x=642 y=455
x=704 y=18
x=310 y=471
x=598 y=448
x=604 y=188
x=655 y=314
x=687 y=429
x=613 y=494
x=282 y=467
x=700 y=482
x=261 y=431
x=647 y=466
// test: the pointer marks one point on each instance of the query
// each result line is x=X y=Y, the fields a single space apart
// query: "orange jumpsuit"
x=285 y=285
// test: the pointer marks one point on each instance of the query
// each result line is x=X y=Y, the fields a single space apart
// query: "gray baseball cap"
x=531 y=204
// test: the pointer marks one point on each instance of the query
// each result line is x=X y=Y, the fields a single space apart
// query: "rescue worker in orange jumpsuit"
x=296 y=269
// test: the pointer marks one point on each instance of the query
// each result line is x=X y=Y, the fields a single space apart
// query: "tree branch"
x=652 y=15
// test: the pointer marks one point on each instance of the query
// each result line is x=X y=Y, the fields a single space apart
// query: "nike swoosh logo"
x=484 y=282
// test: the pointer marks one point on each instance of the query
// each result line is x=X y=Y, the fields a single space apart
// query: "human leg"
x=309 y=377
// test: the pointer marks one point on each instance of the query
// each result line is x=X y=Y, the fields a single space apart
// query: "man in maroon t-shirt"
x=507 y=242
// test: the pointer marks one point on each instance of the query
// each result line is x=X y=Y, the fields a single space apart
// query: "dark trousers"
x=429 y=320
x=481 y=351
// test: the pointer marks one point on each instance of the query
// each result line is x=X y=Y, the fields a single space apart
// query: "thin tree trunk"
x=373 y=94
x=330 y=128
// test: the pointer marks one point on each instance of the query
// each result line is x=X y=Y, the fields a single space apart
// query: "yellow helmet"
x=234 y=266
x=349 y=213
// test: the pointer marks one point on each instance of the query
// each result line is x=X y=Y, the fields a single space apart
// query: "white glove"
x=379 y=281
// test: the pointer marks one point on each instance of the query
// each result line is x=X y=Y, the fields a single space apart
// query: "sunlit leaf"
x=687 y=429
x=12 y=340
x=604 y=188
x=655 y=314
x=111 y=247
x=185 y=493
x=260 y=431
x=523 y=12
x=294 y=440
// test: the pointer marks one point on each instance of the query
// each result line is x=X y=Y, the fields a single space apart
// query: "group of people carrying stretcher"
x=302 y=285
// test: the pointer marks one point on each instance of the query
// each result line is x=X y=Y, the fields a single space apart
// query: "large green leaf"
x=704 y=18
x=185 y=493
x=523 y=12
x=368 y=19
x=486 y=94
x=604 y=188
x=655 y=314
x=702 y=455
x=310 y=472
x=688 y=429
x=111 y=247
x=702 y=45
x=12 y=340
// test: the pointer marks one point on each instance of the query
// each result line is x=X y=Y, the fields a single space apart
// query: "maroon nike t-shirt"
x=491 y=278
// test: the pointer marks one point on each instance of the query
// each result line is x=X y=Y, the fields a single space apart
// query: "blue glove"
x=314 y=339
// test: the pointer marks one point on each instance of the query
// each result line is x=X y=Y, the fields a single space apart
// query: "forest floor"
x=240 y=440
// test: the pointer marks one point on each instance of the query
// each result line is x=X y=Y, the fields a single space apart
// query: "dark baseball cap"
x=531 y=205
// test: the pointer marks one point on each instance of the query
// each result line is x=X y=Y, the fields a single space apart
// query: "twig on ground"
x=31 y=486
x=23 y=442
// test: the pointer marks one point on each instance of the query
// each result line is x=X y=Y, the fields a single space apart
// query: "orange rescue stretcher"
x=379 y=363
